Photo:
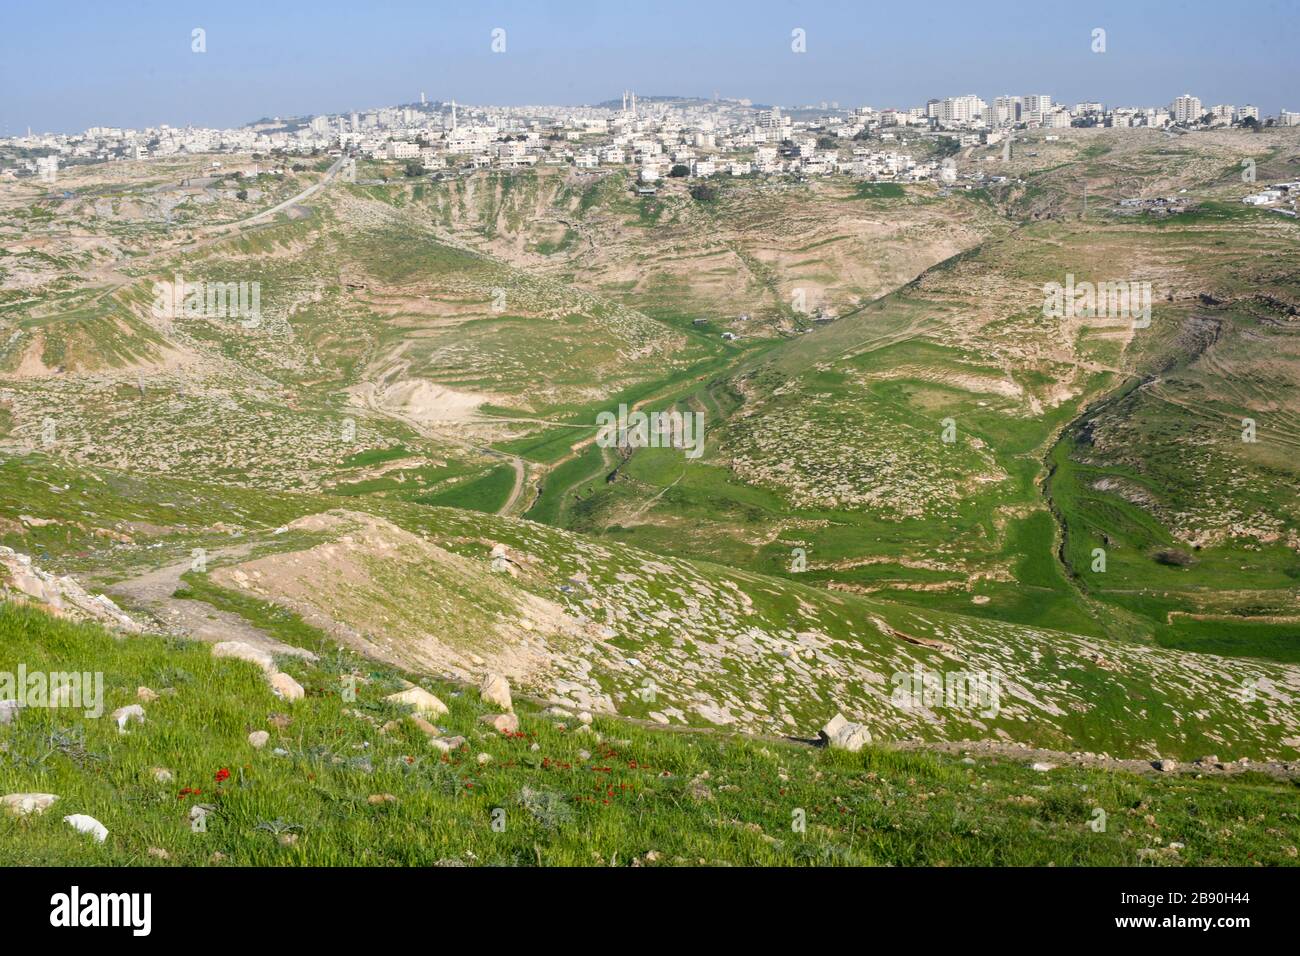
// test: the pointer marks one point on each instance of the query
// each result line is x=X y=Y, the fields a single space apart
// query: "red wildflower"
x=223 y=775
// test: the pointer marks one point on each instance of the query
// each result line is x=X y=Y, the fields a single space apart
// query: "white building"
x=1034 y=107
x=403 y=151
x=1006 y=111
x=958 y=110
x=1186 y=109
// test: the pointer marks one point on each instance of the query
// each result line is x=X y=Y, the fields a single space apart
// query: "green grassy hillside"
x=330 y=787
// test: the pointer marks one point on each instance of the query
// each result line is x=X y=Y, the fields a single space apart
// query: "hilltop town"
x=655 y=137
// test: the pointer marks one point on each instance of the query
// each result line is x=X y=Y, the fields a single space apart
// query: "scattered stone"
x=25 y=804
x=280 y=721
x=378 y=799
x=1167 y=854
x=842 y=734
x=145 y=695
x=557 y=712
x=1212 y=760
x=420 y=699
x=584 y=755
x=162 y=775
x=86 y=824
x=658 y=718
x=424 y=726
x=1166 y=765
x=286 y=687
x=495 y=690
x=1042 y=766
x=258 y=739
x=501 y=723
x=158 y=853
x=8 y=711
x=133 y=713
x=446 y=744
x=241 y=651
x=288 y=839
x=483 y=759
x=584 y=716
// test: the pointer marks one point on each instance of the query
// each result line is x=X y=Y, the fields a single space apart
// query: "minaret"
x=453 y=114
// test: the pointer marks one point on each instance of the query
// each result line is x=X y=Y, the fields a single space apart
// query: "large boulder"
x=495 y=690
x=420 y=699
x=87 y=824
x=242 y=651
x=286 y=687
x=23 y=804
x=842 y=734
x=501 y=723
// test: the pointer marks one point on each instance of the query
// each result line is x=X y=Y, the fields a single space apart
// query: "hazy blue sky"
x=67 y=65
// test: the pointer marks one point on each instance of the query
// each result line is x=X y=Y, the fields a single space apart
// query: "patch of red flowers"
x=222 y=775
x=188 y=792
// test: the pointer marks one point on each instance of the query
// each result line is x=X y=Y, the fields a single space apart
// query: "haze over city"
x=66 y=66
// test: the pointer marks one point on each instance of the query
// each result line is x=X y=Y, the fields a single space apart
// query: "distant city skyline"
x=66 y=66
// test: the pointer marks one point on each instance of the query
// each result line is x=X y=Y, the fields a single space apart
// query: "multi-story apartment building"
x=1034 y=107
x=958 y=110
x=1006 y=111
x=1186 y=109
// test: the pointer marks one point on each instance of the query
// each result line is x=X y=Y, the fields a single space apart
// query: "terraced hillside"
x=915 y=472
x=905 y=450
x=777 y=253
x=602 y=627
